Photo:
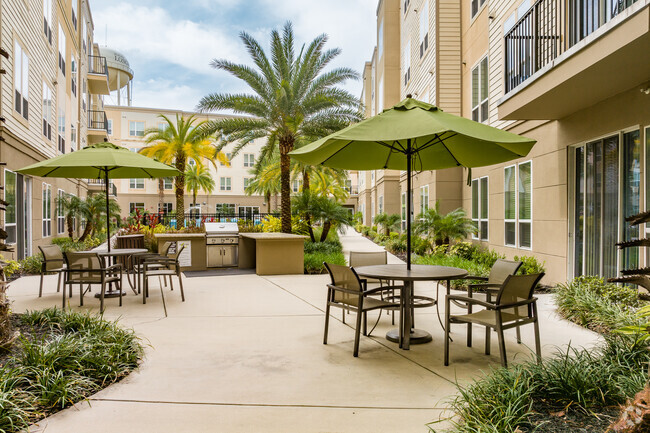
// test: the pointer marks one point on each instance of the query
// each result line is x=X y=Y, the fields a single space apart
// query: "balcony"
x=97 y=185
x=565 y=55
x=98 y=75
x=97 y=126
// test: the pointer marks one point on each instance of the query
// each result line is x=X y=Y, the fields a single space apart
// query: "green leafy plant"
x=388 y=222
x=32 y=264
x=444 y=228
x=530 y=265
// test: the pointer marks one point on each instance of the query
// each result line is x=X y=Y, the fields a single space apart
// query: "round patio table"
x=416 y=273
x=119 y=252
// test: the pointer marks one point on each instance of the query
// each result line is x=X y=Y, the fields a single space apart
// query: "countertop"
x=271 y=236
x=180 y=235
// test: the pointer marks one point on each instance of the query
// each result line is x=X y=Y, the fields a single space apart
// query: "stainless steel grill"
x=222 y=244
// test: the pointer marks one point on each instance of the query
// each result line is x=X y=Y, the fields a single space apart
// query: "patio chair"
x=490 y=285
x=87 y=268
x=348 y=291
x=162 y=267
x=52 y=262
x=370 y=258
x=139 y=258
x=515 y=295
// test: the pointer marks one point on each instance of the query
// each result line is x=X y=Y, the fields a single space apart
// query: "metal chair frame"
x=102 y=275
x=48 y=262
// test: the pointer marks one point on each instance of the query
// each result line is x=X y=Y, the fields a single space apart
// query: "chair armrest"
x=516 y=304
x=341 y=289
x=469 y=300
x=484 y=286
x=115 y=267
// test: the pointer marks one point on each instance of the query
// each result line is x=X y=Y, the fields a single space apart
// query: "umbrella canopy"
x=414 y=135
x=101 y=161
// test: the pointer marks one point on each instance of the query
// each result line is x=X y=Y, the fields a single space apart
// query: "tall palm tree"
x=177 y=143
x=293 y=98
x=196 y=178
x=266 y=180
x=443 y=228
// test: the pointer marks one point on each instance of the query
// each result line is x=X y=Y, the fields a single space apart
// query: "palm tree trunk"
x=68 y=220
x=161 y=194
x=180 y=191
x=267 y=196
x=305 y=181
x=326 y=230
x=286 y=146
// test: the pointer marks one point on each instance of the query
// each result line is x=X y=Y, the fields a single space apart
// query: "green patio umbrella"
x=101 y=161
x=414 y=135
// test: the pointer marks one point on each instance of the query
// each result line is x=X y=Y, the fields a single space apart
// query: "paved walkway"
x=244 y=354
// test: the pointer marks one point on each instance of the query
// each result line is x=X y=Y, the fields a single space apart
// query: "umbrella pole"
x=409 y=201
x=108 y=214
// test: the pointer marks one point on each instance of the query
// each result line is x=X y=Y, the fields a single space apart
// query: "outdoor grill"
x=222 y=244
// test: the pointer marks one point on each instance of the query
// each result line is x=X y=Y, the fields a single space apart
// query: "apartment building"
x=51 y=87
x=127 y=126
x=572 y=74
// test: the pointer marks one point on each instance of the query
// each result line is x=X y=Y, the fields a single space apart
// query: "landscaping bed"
x=61 y=358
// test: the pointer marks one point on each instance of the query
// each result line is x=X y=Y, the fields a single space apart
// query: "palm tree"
x=197 y=177
x=388 y=221
x=72 y=207
x=266 y=180
x=177 y=143
x=93 y=211
x=330 y=213
x=444 y=228
x=294 y=100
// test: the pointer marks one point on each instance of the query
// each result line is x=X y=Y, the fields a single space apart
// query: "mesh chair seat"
x=88 y=268
x=369 y=303
x=52 y=262
x=488 y=318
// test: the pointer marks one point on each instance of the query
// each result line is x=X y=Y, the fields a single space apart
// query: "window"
x=225 y=208
x=162 y=126
x=168 y=183
x=480 y=91
x=372 y=209
x=61 y=127
x=406 y=68
x=83 y=96
x=403 y=211
x=476 y=5
x=61 y=50
x=47 y=20
x=480 y=207
x=518 y=195
x=424 y=28
x=136 y=183
x=138 y=206
x=249 y=159
x=10 y=212
x=380 y=96
x=295 y=185
x=228 y=157
x=74 y=13
x=380 y=39
x=248 y=210
x=247 y=181
x=380 y=204
x=21 y=81
x=73 y=137
x=225 y=184
x=136 y=129
x=424 y=199
x=73 y=75
x=406 y=5
x=348 y=186
x=84 y=32
x=110 y=127
x=47 y=111
x=60 y=213
x=166 y=208
x=47 y=210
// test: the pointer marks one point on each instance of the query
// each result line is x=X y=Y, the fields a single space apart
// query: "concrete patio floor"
x=244 y=353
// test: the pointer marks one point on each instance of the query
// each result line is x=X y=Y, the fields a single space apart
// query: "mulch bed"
x=26 y=331
x=550 y=420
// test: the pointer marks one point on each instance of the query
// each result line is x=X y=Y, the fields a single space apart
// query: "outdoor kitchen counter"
x=272 y=253
x=193 y=256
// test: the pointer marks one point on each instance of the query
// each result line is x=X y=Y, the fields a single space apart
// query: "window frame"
x=134 y=205
x=136 y=183
x=11 y=227
x=225 y=183
x=225 y=208
x=62 y=50
x=60 y=214
x=517 y=221
x=135 y=131
x=424 y=204
x=479 y=219
x=474 y=11
x=403 y=211
x=406 y=71
x=46 y=209
x=109 y=126
x=424 y=35
x=47 y=20
x=21 y=85
x=249 y=160
x=163 y=209
x=168 y=181
x=47 y=111
x=482 y=106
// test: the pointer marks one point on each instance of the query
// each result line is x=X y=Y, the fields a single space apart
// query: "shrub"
x=365 y=230
x=590 y=302
x=326 y=247
x=69 y=244
x=576 y=379
x=393 y=235
x=32 y=264
x=372 y=234
x=466 y=250
x=314 y=261
x=530 y=265
x=486 y=257
x=10 y=267
x=274 y=224
x=472 y=267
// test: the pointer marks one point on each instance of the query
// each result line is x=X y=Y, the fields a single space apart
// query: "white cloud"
x=166 y=94
x=151 y=33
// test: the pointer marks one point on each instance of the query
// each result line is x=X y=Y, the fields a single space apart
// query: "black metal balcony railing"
x=97 y=120
x=112 y=189
x=548 y=29
x=97 y=65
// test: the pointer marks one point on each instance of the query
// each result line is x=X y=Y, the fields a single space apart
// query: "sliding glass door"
x=606 y=176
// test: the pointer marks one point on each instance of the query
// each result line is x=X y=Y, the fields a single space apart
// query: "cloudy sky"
x=169 y=43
